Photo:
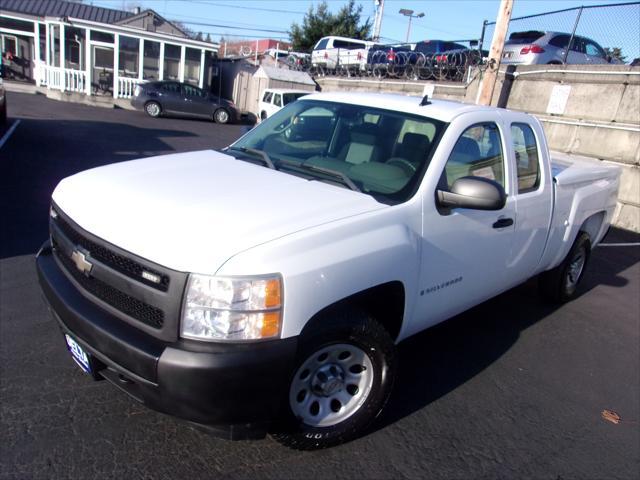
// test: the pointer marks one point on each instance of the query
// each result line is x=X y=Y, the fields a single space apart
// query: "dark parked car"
x=182 y=99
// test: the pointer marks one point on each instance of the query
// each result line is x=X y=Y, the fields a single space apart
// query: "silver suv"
x=536 y=47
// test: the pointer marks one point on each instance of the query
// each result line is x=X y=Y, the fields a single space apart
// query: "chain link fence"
x=615 y=27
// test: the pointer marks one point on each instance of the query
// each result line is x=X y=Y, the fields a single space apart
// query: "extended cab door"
x=532 y=193
x=465 y=251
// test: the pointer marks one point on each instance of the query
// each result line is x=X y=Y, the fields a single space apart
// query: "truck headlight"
x=232 y=308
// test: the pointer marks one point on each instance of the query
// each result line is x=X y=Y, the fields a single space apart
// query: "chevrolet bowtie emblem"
x=81 y=262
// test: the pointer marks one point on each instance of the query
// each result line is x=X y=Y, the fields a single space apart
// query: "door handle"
x=503 y=222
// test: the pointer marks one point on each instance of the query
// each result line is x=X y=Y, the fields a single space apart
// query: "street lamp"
x=409 y=13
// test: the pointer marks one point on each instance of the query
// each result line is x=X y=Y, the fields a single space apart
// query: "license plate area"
x=82 y=358
x=507 y=54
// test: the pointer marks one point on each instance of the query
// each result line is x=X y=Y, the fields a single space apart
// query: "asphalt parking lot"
x=511 y=389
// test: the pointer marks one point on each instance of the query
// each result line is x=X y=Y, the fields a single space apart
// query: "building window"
x=171 y=62
x=103 y=58
x=101 y=37
x=128 y=57
x=192 y=66
x=151 y=60
x=10 y=44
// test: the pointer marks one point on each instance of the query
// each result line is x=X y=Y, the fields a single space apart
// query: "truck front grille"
x=128 y=305
x=115 y=279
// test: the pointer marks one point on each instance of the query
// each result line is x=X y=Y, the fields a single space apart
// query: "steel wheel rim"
x=222 y=116
x=153 y=109
x=331 y=385
x=575 y=268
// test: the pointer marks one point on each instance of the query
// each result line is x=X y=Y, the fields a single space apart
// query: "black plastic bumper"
x=234 y=389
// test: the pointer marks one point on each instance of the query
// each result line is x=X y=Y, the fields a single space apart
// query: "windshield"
x=383 y=153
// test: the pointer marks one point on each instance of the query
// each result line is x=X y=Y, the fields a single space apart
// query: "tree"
x=615 y=52
x=321 y=23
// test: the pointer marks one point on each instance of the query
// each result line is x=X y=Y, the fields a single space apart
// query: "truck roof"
x=443 y=110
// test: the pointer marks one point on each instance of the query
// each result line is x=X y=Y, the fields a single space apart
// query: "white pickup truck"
x=264 y=287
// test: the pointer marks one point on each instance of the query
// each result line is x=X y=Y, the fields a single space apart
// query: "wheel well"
x=383 y=302
x=592 y=225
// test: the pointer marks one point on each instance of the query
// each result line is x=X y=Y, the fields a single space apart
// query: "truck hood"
x=193 y=211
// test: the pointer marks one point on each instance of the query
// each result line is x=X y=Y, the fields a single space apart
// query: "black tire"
x=153 y=109
x=3 y=114
x=346 y=328
x=560 y=284
x=221 y=116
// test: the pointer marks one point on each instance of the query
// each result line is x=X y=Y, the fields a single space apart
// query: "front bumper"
x=234 y=389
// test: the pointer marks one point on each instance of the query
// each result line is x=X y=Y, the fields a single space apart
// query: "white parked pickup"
x=264 y=287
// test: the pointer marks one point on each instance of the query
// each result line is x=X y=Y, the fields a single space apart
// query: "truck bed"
x=568 y=169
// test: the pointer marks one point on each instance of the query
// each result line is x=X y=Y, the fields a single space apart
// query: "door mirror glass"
x=473 y=192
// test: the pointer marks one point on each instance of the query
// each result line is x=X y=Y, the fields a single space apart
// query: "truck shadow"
x=441 y=359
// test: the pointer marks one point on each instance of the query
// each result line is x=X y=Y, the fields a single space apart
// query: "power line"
x=202 y=24
x=247 y=8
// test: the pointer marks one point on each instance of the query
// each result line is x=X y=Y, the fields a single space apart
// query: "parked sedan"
x=182 y=99
x=536 y=47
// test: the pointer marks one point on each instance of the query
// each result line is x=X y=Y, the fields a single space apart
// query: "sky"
x=443 y=19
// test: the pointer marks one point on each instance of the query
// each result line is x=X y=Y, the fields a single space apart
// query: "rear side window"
x=477 y=153
x=347 y=45
x=526 y=150
x=267 y=97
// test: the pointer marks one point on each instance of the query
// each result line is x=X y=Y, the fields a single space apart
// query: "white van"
x=273 y=99
x=331 y=52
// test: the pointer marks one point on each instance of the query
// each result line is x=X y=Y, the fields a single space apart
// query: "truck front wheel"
x=343 y=377
x=560 y=284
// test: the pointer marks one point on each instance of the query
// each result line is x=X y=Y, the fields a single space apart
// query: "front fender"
x=326 y=264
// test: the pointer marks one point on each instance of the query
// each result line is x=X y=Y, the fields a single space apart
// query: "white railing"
x=75 y=80
x=56 y=78
x=127 y=85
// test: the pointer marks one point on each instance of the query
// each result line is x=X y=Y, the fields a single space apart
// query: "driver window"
x=277 y=100
x=477 y=153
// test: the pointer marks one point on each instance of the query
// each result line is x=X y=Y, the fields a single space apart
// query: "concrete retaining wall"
x=600 y=119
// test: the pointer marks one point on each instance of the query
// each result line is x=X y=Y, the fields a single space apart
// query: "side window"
x=592 y=49
x=477 y=153
x=267 y=97
x=560 y=41
x=526 y=149
x=171 y=87
x=277 y=100
x=191 y=91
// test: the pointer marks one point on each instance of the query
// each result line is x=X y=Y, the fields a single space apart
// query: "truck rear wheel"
x=560 y=284
x=343 y=378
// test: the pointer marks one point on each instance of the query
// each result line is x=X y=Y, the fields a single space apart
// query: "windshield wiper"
x=264 y=156
x=341 y=177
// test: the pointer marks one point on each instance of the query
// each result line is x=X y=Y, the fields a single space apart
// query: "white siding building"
x=97 y=51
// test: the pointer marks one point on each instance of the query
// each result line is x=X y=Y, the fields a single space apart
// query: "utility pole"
x=497 y=45
x=377 y=23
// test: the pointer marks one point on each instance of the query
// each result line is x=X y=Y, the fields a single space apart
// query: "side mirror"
x=473 y=192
